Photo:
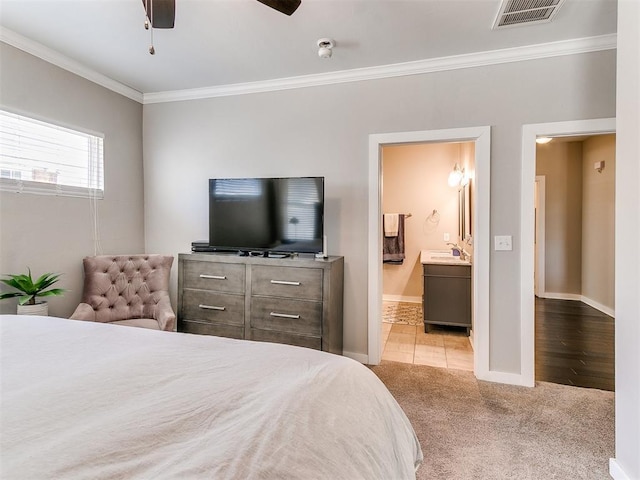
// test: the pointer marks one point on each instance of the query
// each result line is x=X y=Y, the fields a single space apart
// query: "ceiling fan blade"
x=283 y=6
x=161 y=13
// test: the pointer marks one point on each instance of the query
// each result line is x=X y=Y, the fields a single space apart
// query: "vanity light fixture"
x=543 y=140
x=457 y=177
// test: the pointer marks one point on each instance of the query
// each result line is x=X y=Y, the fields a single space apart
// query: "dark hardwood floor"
x=574 y=344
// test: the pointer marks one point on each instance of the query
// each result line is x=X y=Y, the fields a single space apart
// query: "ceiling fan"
x=162 y=13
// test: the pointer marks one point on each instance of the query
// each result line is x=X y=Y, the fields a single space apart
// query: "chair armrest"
x=84 y=311
x=165 y=316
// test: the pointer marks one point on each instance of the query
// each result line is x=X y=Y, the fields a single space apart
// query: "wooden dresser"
x=297 y=301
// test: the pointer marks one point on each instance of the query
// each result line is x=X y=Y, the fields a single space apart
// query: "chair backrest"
x=120 y=287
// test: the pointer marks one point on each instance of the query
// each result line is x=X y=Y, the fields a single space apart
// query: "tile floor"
x=442 y=347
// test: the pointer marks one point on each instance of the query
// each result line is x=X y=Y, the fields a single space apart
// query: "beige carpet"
x=480 y=430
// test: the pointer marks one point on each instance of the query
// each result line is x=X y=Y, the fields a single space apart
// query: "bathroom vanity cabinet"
x=447 y=295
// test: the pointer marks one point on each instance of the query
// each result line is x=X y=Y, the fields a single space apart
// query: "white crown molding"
x=455 y=62
x=494 y=57
x=49 y=55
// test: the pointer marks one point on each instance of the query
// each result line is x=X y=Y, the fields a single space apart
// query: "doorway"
x=574 y=324
x=480 y=218
x=528 y=222
x=416 y=194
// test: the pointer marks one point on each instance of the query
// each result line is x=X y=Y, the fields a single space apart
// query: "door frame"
x=481 y=222
x=598 y=126
x=539 y=235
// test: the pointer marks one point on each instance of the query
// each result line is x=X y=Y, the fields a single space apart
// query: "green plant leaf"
x=52 y=292
x=10 y=295
x=10 y=281
x=27 y=290
x=27 y=300
x=24 y=283
x=46 y=281
x=42 y=278
x=19 y=282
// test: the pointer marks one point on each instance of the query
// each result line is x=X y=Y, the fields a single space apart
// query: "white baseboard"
x=358 y=357
x=598 y=306
x=616 y=472
x=581 y=298
x=562 y=296
x=503 y=377
x=401 y=298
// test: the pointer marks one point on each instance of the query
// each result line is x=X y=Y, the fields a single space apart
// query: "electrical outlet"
x=446 y=237
x=502 y=242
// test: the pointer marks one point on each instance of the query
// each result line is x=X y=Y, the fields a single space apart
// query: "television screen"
x=266 y=214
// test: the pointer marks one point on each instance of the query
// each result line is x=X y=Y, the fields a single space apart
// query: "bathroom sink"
x=442 y=257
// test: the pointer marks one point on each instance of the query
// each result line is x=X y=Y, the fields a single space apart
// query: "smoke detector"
x=526 y=12
x=324 y=47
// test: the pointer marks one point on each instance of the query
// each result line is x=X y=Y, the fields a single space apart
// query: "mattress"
x=84 y=400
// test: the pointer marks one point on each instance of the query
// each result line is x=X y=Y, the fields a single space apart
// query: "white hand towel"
x=390 y=222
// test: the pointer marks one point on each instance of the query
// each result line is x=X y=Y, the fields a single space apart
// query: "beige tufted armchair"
x=127 y=290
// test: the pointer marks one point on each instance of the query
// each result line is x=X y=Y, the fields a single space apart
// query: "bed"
x=84 y=400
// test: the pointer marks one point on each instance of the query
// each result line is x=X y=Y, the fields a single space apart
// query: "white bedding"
x=83 y=400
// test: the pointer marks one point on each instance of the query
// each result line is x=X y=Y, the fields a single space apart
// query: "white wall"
x=579 y=212
x=53 y=234
x=626 y=465
x=598 y=221
x=324 y=131
x=561 y=165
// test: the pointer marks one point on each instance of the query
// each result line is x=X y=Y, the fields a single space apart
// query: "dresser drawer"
x=288 y=338
x=219 y=330
x=220 y=277
x=293 y=316
x=303 y=283
x=205 y=306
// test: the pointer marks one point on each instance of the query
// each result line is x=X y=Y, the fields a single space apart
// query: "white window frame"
x=95 y=165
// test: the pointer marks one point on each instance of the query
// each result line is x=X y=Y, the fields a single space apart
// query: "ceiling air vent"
x=526 y=12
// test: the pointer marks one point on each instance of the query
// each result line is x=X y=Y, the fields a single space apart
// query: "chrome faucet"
x=464 y=255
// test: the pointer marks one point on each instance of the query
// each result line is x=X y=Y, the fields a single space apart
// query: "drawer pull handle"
x=283 y=315
x=284 y=282
x=211 y=307
x=213 y=277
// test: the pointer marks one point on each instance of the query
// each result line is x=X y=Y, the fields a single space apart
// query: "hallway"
x=574 y=344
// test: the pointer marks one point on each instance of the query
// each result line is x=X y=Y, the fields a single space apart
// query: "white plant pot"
x=41 y=308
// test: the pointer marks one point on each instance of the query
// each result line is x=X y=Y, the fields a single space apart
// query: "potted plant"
x=28 y=290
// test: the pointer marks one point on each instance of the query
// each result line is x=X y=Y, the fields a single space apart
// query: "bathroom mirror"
x=464 y=213
x=461 y=214
x=467 y=211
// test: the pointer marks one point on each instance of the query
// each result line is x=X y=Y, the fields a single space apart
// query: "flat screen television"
x=280 y=215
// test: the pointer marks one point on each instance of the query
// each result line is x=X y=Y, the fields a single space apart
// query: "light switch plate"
x=446 y=237
x=502 y=242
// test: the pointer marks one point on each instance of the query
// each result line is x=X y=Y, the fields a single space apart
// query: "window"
x=39 y=157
